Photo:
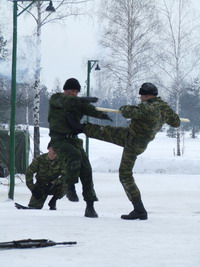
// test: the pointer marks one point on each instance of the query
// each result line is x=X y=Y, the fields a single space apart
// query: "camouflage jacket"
x=148 y=117
x=61 y=105
x=44 y=171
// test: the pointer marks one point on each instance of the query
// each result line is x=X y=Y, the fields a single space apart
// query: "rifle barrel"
x=66 y=243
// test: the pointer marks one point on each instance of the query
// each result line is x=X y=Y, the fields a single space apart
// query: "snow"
x=170 y=187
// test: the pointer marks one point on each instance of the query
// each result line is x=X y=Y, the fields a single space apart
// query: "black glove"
x=78 y=128
x=48 y=188
x=104 y=116
x=37 y=192
x=89 y=99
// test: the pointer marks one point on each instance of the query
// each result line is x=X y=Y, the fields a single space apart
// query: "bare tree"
x=178 y=55
x=3 y=48
x=128 y=29
x=64 y=9
x=57 y=88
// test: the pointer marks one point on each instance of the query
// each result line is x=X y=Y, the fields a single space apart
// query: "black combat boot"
x=90 y=211
x=71 y=193
x=139 y=212
x=52 y=203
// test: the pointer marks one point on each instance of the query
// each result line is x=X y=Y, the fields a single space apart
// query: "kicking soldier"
x=147 y=118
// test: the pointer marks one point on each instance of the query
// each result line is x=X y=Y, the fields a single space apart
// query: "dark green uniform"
x=46 y=171
x=146 y=120
x=68 y=146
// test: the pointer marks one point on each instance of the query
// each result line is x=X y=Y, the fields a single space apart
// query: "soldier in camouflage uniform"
x=69 y=148
x=146 y=120
x=49 y=175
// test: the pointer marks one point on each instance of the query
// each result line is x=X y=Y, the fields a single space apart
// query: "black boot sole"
x=135 y=216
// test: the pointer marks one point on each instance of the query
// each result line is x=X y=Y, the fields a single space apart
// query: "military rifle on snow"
x=33 y=243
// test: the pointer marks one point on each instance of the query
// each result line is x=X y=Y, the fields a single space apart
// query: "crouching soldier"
x=44 y=177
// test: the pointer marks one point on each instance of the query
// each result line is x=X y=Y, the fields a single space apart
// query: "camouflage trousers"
x=132 y=147
x=58 y=190
x=77 y=164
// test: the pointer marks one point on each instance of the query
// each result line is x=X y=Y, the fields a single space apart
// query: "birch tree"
x=63 y=10
x=178 y=55
x=128 y=29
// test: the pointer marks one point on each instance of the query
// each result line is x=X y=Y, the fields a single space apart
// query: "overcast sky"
x=67 y=56
x=66 y=50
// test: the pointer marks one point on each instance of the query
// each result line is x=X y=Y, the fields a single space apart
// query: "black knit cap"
x=148 y=89
x=72 y=84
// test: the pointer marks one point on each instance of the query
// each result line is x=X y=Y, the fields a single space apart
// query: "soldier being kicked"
x=69 y=148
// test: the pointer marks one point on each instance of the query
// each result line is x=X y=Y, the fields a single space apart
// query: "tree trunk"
x=36 y=141
x=178 y=142
x=193 y=131
x=36 y=105
x=177 y=111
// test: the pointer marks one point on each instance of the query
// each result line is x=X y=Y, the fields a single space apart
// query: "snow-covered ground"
x=170 y=188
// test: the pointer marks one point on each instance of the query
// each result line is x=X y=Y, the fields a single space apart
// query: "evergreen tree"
x=190 y=107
